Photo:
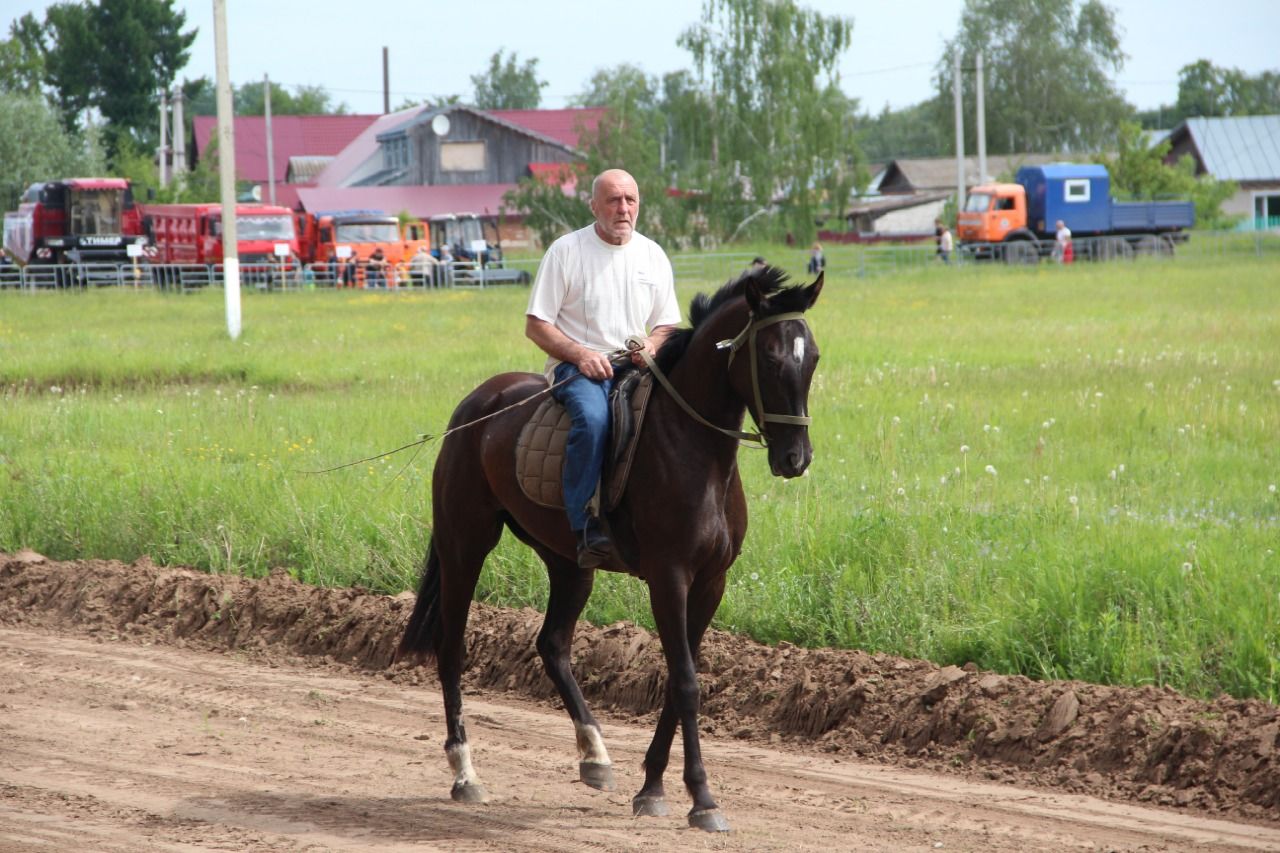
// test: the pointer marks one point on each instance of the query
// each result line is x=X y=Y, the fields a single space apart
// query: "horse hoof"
x=594 y=775
x=469 y=793
x=709 y=820
x=649 y=807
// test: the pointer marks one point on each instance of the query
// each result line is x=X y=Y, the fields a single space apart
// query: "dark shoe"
x=594 y=547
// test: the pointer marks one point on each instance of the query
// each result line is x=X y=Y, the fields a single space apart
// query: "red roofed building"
x=294 y=136
x=427 y=160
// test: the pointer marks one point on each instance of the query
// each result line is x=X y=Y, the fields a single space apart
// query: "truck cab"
x=992 y=212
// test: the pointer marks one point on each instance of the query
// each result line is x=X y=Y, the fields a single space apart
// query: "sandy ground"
x=125 y=726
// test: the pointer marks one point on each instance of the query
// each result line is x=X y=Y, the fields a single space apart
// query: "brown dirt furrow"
x=251 y=753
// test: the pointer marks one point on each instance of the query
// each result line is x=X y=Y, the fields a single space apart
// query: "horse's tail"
x=419 y=642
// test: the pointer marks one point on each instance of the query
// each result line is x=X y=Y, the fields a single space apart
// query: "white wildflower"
x=991 y=469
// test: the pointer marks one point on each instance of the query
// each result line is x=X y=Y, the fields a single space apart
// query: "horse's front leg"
x=570 y=588
x=680 y=628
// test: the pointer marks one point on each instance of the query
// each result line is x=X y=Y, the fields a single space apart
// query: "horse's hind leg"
x=461 y=558
x=570 y=588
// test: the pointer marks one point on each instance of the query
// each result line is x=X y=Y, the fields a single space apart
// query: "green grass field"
x=1057 y=472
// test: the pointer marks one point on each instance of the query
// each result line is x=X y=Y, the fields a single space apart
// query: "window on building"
x=462 y=156
x=1266 y=210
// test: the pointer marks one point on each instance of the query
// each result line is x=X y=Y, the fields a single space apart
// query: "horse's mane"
x=770 y=281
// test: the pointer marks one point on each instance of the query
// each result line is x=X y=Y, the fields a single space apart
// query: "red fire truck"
x=191 y=234
x=75 y=221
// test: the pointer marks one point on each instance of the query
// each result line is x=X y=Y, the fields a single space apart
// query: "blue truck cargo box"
x=1079 y=194
x=1152 y=215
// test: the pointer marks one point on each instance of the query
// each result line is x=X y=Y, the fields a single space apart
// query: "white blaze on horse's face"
x=797 y=349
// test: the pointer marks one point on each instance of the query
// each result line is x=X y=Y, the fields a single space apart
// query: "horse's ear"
x=755 y=296
x=811 y=292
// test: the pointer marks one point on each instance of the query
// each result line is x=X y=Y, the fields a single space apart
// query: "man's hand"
x=649 y=347
x=651 y=344
x=594 y=365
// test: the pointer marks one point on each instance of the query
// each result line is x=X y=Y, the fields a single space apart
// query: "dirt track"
x=149 y=709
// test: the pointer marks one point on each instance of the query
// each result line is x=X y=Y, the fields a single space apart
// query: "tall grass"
x=1058 y=472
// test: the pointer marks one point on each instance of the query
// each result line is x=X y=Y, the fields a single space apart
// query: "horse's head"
x=780 y=355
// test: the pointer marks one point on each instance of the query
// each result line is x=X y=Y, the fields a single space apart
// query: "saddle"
x=540 y=447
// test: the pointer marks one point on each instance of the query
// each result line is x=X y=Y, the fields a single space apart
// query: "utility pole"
x=955 y=86
x=179 y=137
x=982 y=121
x=271 y=148
x=163 y=150
x=227 y=171
x=386 y=82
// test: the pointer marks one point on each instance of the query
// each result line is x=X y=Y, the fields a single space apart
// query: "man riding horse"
x=596 y=287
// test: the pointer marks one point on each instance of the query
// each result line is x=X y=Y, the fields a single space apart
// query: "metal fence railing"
x=860 y=261
x=182 y=277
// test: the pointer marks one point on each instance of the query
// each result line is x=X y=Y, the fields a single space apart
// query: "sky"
x=435 y=47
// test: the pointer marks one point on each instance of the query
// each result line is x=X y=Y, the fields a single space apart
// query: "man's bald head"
x=615 y=202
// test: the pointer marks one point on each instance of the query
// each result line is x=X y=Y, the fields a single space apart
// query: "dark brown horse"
x=679 y=527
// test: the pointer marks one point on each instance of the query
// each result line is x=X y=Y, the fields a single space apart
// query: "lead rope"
x=426 y=437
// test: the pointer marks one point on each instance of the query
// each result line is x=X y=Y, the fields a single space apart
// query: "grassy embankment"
x=1059 y=472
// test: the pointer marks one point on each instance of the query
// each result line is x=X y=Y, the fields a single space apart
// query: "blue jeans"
x=587 y=402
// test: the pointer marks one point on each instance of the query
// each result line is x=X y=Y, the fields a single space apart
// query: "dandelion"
x=991 y=469
x=964 y=448
x=1098 y=394
x=1112 y=475
x=1120 y=467
x=55 y=389
x=897 y=420
x=1272 y=488
x=755 y=576
x=986 y=427
x=943 y=481
x=901 y=491
x=1045 y=478
x=1073 y=500
x=1186 y=569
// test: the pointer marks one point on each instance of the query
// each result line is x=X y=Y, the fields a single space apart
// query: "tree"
x=908 y=132
x=780 y=129
x=250 y=100
x=21 y=58
x=34 y=146
x=508 y=85
x=626 y=136
x=113 y=55
x=1204 y=89
x=1138 y=171
x=1047 y=69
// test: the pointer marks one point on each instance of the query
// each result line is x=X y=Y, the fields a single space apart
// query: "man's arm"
x=555 y=343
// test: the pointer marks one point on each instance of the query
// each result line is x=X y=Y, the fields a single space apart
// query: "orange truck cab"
x=346 y=233
x=992 y=212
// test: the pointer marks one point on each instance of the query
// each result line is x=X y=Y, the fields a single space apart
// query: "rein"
x=748 y=334
x=764 y=418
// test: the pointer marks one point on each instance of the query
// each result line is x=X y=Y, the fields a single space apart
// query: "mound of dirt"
x=1147 y=744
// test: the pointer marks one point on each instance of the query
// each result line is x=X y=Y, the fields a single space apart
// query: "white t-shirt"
x=598 y=294
x=1064 y=237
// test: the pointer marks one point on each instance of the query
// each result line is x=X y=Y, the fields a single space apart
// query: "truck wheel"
x=1021 y=252
x=1151 y=245
x=1113 y=248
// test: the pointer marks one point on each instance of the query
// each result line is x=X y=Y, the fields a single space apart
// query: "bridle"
x=761 y=417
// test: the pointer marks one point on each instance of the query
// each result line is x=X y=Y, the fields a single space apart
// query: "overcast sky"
x=435 y=47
